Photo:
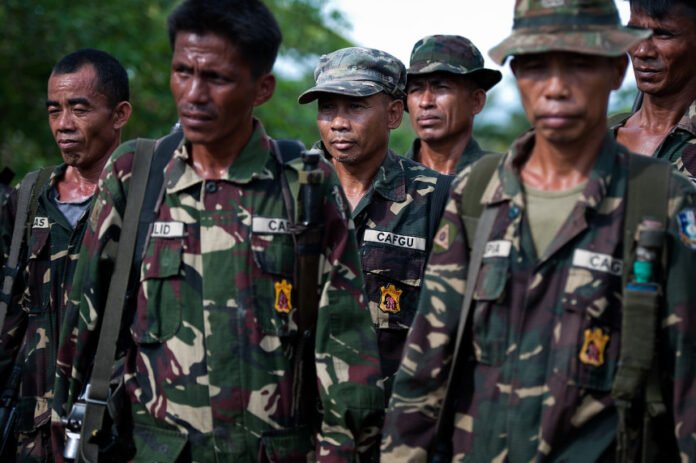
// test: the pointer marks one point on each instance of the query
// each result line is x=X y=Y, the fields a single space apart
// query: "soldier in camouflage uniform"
x=210 y=352
x=396 y=202
x=446 y=88
x=87 y=108
x=665 y=124
x=536 y=384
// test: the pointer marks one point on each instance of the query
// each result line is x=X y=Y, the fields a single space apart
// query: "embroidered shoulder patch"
x=442 y=237
x=687 y=227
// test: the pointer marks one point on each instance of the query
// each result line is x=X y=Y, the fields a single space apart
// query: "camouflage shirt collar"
x=390 y=181
x=251 y=163
x=506 y=185
x=46 y=193
x=472 y=149
x=688 y=120
x=686 y=123
x=58 y=172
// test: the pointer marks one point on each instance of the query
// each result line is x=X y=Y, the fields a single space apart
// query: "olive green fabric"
x=547 y=210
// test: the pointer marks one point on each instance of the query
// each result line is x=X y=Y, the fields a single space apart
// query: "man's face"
x=664 y=64
x=356 y=129
x=565 y=95
x=214 y=89
x=442 y=106
x=83 y=124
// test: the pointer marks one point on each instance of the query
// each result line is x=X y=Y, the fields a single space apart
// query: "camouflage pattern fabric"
x=581 y=26
x=209 y=350
x=395 y=222
x=453 y=54
x=359 y=72
x=679 y=146
x=32 y=325
x=546 y=329
x=472 y=153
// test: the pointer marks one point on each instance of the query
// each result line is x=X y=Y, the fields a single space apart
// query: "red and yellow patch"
x=592 y=351
x=283 y=296
x=389 y=301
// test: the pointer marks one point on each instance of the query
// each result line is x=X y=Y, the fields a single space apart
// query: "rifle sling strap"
x=481 y=175
x=111 y=323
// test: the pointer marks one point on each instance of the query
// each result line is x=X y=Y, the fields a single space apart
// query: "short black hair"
x=112 y=78
x=247 y=24
x=661 y=8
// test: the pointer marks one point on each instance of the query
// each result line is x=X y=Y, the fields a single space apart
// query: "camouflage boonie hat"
x=453 y=54
x=358 y=71
x=590 y=27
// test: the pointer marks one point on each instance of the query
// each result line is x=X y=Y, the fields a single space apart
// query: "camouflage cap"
x=582 y=26
x=453 y=54
x=357 y=71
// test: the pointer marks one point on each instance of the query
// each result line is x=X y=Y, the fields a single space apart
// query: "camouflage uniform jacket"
x=470 y=155
x=526 y=395
x=34 y=318
x=679 y=146
x=395 y=223
x=209 y=359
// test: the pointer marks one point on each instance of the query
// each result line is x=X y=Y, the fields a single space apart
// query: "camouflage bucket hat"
x=357 y=71
x=590 y=27
x=453 y=54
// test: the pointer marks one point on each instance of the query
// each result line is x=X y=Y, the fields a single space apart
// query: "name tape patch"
x=402 y=241
x=499 y=248
x=270 y=225
x=40 y=222
x=596 y=261
x=167 y=230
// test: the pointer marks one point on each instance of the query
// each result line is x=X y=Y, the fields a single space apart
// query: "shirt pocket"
x=273 y=282
x=35 y=299
x=393 y=278
x=158 y=316
x=491 y=317
x=587 y=341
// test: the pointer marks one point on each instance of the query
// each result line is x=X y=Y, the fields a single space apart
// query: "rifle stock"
x=308 y=252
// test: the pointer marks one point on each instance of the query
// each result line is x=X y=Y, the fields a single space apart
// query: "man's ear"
x=619 y=65
x=478 y=100
x=265 y=86
x=121 y=114
x=395 y=112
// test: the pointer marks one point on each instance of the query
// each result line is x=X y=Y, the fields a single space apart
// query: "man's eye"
x=663 y=33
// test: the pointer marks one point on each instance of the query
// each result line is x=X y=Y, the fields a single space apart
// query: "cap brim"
x=352 y=88
x=600 y=41
x=484 y=77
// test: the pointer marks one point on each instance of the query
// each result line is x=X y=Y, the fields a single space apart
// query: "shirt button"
x=513 y=212
x=211 y=186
